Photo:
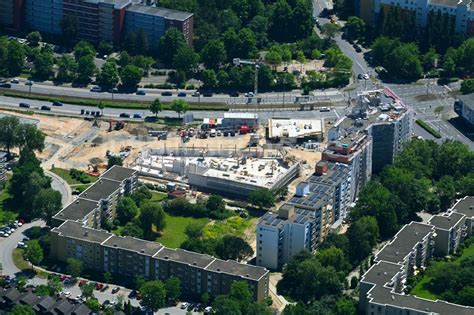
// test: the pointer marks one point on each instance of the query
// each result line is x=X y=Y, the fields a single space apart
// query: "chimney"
x=321 y=168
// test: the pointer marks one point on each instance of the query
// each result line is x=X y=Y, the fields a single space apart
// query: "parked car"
x=234 y=94
x=96 y=88
x=66 y=293
x=44 y=107
x=141 y=92
x=357 y=48
x=5 y=85
x=360 y=76
x=24 y=105
x=115 y=290
x=15 y=81
x=182 y=94
x=184 y=305
x=124 y=115
x=113 y=90
x=196 y=94
x=137 y=116
x=208 y=310
x=29 y=82
x=132 y=294
x=57 y=103
x=366 y=76
x=167 y=93
x=324 y=109
x=249 y=94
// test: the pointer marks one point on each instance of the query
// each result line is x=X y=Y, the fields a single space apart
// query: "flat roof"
x=133 y=244
x=165 y=13
x=381 y=273
x=385 y=296
x=449 y=3
x=234 y=268
x=118 y=173
x=294 y=128
x=101 y=189
x=404 y=242
x=77 y=209
x=185 y=257
x=317 y=192
x=446 y=222
x=465 y=206
x=75 y=229
x=301 y=216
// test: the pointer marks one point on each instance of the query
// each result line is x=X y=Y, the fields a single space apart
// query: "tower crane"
x=256 y=64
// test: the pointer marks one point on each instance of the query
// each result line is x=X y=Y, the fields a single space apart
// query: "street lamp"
x=238 y=62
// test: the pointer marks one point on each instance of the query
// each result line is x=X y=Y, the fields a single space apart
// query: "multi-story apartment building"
x=464 y=107
x=465 y=206
x=371 y=136
x=449 y=229
x=126 y=256
x=382 y=286
x=99 y=20
x=462 y=11
x=319 y=204
x=283 y=235
x=155 y=21
x=43 y=15
x=99 y=201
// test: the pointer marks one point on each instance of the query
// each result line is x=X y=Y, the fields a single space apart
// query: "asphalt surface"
x=60 y=185
x=74 y=110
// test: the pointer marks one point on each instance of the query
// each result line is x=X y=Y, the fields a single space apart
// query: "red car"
x=82 y=282
x=99 y=286
x=62 y=278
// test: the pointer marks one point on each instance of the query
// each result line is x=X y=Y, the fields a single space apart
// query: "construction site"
x=231 y=172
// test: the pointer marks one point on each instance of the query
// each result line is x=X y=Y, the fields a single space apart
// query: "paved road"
x=60 y=185
x=9 y=243
x=47 y=88
x=68 y=109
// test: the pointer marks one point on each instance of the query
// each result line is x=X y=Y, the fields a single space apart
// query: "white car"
x=249 y=94
x=184 y=305
x=67 y=293
x=15 y=81
x=21 y=245
x=208 y=310
x=366 y=76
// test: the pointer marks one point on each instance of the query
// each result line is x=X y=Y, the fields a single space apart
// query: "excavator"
x=93 y=170
x=116 y=125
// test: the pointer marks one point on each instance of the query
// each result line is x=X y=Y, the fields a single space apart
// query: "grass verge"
x=109 y=103
x=173 y=235
x=6 y=215
x=18 y=260
x=64 y=174
x=423 y=124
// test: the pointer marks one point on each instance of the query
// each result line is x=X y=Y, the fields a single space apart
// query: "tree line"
x=30 y=190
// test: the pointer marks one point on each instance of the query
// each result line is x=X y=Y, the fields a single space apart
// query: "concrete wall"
x=268 y=239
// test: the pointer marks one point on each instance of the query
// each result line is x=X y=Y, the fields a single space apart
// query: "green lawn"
x=64 y=174
x=173 y=235
x=157 y=196
x=422 y=291
x=233 y=225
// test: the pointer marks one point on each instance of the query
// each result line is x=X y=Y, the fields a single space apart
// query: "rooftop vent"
x=166 y=257
x=115 y=245
x=142 y=251
x=247 y=275
x=218 y=269
x=194 y=263
x=86 y=233
x=397 y=253
x=77 y=201
x=393 y=297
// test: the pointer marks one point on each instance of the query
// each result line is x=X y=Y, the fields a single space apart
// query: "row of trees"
x=30 y=189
